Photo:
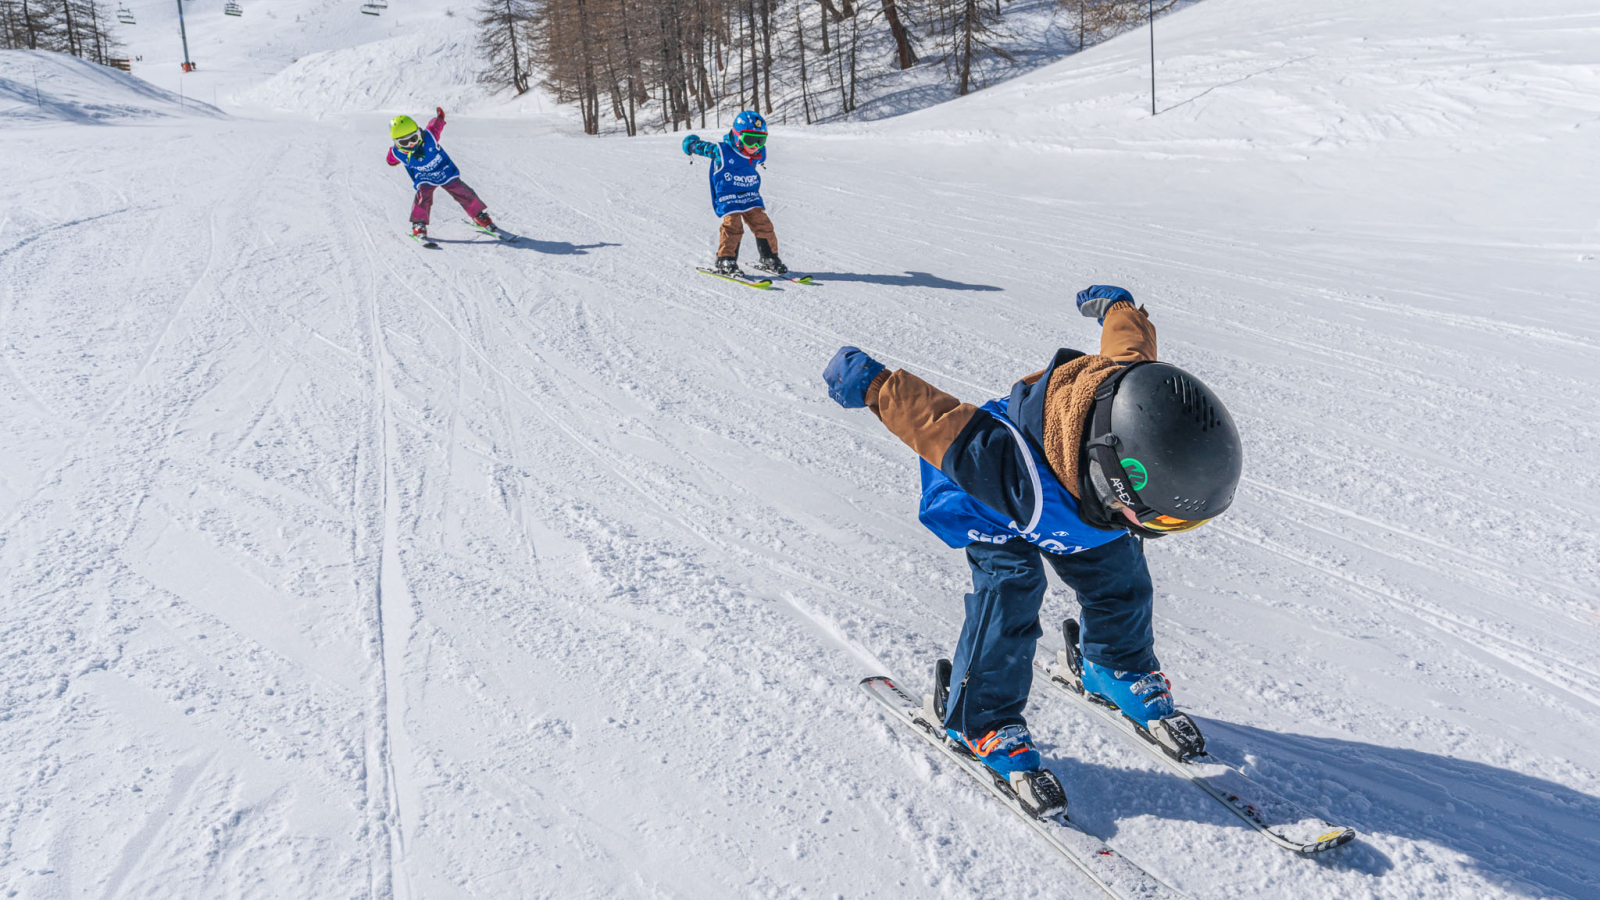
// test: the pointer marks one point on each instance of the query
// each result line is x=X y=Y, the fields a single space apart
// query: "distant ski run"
x=1112 y=872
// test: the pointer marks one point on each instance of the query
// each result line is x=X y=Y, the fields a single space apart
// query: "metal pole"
x=184 y=33
x=1152 y=12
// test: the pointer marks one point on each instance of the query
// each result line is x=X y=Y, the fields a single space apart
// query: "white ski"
x=1114 y=873
x=1278 y=819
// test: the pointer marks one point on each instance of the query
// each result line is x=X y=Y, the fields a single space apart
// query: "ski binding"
x=1039 y=801
x=1177 y=742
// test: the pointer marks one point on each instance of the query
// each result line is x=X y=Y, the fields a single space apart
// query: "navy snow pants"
x=993 y=665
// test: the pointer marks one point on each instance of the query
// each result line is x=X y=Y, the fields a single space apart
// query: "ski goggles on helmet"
x=753 y=140
x=1166 y=524
x=409 y=141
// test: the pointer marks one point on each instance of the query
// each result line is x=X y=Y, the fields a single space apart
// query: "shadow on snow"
x=1530 y=836
x=909 y=279
x=523 y=242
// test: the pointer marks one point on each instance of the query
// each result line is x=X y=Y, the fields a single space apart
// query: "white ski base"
x=1278 y=819
x=1114 y=873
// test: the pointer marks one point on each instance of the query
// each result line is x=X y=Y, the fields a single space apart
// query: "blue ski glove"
x=1097 y=298
x=688 y=144
x=849 y=374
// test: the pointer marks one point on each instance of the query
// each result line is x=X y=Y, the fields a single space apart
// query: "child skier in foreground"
x=1093 y=455
x=736 y=192
x=430 y=167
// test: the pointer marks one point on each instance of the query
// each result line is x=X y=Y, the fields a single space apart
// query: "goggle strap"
x=1102 y=443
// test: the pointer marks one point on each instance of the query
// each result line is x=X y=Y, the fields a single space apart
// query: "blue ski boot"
x=1007 y=752
x=1143 y=698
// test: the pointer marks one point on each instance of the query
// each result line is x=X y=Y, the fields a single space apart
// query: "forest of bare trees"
x=664 y=64
x=79 y=27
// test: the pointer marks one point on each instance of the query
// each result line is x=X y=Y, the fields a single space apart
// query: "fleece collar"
x=1053 y=410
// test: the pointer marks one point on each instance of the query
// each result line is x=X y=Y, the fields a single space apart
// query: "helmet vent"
x=1194 y=400
x=1187 y=505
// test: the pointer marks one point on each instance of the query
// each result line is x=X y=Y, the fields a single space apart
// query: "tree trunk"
x=800 y=41
x=855 y=43
x=519 y=79
x=27 y=23
x=902 y=40
x=766 y=48
x=964 y=63
x=72 y=33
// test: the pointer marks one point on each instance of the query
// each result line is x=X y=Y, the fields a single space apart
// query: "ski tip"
x=1338 y=837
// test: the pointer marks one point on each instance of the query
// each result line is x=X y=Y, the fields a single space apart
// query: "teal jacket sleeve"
x=694 y=146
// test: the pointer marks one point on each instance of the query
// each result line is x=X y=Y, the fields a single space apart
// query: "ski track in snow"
x=339 y=567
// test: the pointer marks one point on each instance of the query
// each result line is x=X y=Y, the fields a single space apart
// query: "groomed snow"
x=41 y=87
x=335 y=567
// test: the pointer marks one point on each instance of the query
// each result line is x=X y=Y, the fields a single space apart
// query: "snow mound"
x=410 y=71
x=1360 y=74
x=40 y=86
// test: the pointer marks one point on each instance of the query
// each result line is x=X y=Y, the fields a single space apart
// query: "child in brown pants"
x=736 y=192
x=733 y=234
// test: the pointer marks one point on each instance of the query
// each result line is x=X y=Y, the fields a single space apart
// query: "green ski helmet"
x=400 y=126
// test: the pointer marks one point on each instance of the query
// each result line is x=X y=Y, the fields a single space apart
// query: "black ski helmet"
x=1161 y=443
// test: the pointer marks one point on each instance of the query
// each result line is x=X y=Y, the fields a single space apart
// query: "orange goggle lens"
x=1169 y=525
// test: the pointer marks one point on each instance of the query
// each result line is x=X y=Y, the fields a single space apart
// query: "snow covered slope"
x=410 y=71
x=38 y=86
x=335 y=567
x=378 y=60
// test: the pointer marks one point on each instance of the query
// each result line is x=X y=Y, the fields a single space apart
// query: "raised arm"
x=980 y=453
x=694 y=146
x=1126 y=334
x=924 y=417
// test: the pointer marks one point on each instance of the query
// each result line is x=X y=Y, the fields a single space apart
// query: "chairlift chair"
x=232 y=9
x=125 y=15
x=371 y=9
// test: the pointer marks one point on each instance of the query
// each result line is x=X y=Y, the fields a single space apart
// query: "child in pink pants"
x=430 y=167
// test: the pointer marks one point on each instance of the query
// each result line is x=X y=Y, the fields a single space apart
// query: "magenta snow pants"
x=467 y=197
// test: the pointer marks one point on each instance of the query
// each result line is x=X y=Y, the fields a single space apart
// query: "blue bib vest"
x=735 y=183
x=959 y=520
x=429 y=164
